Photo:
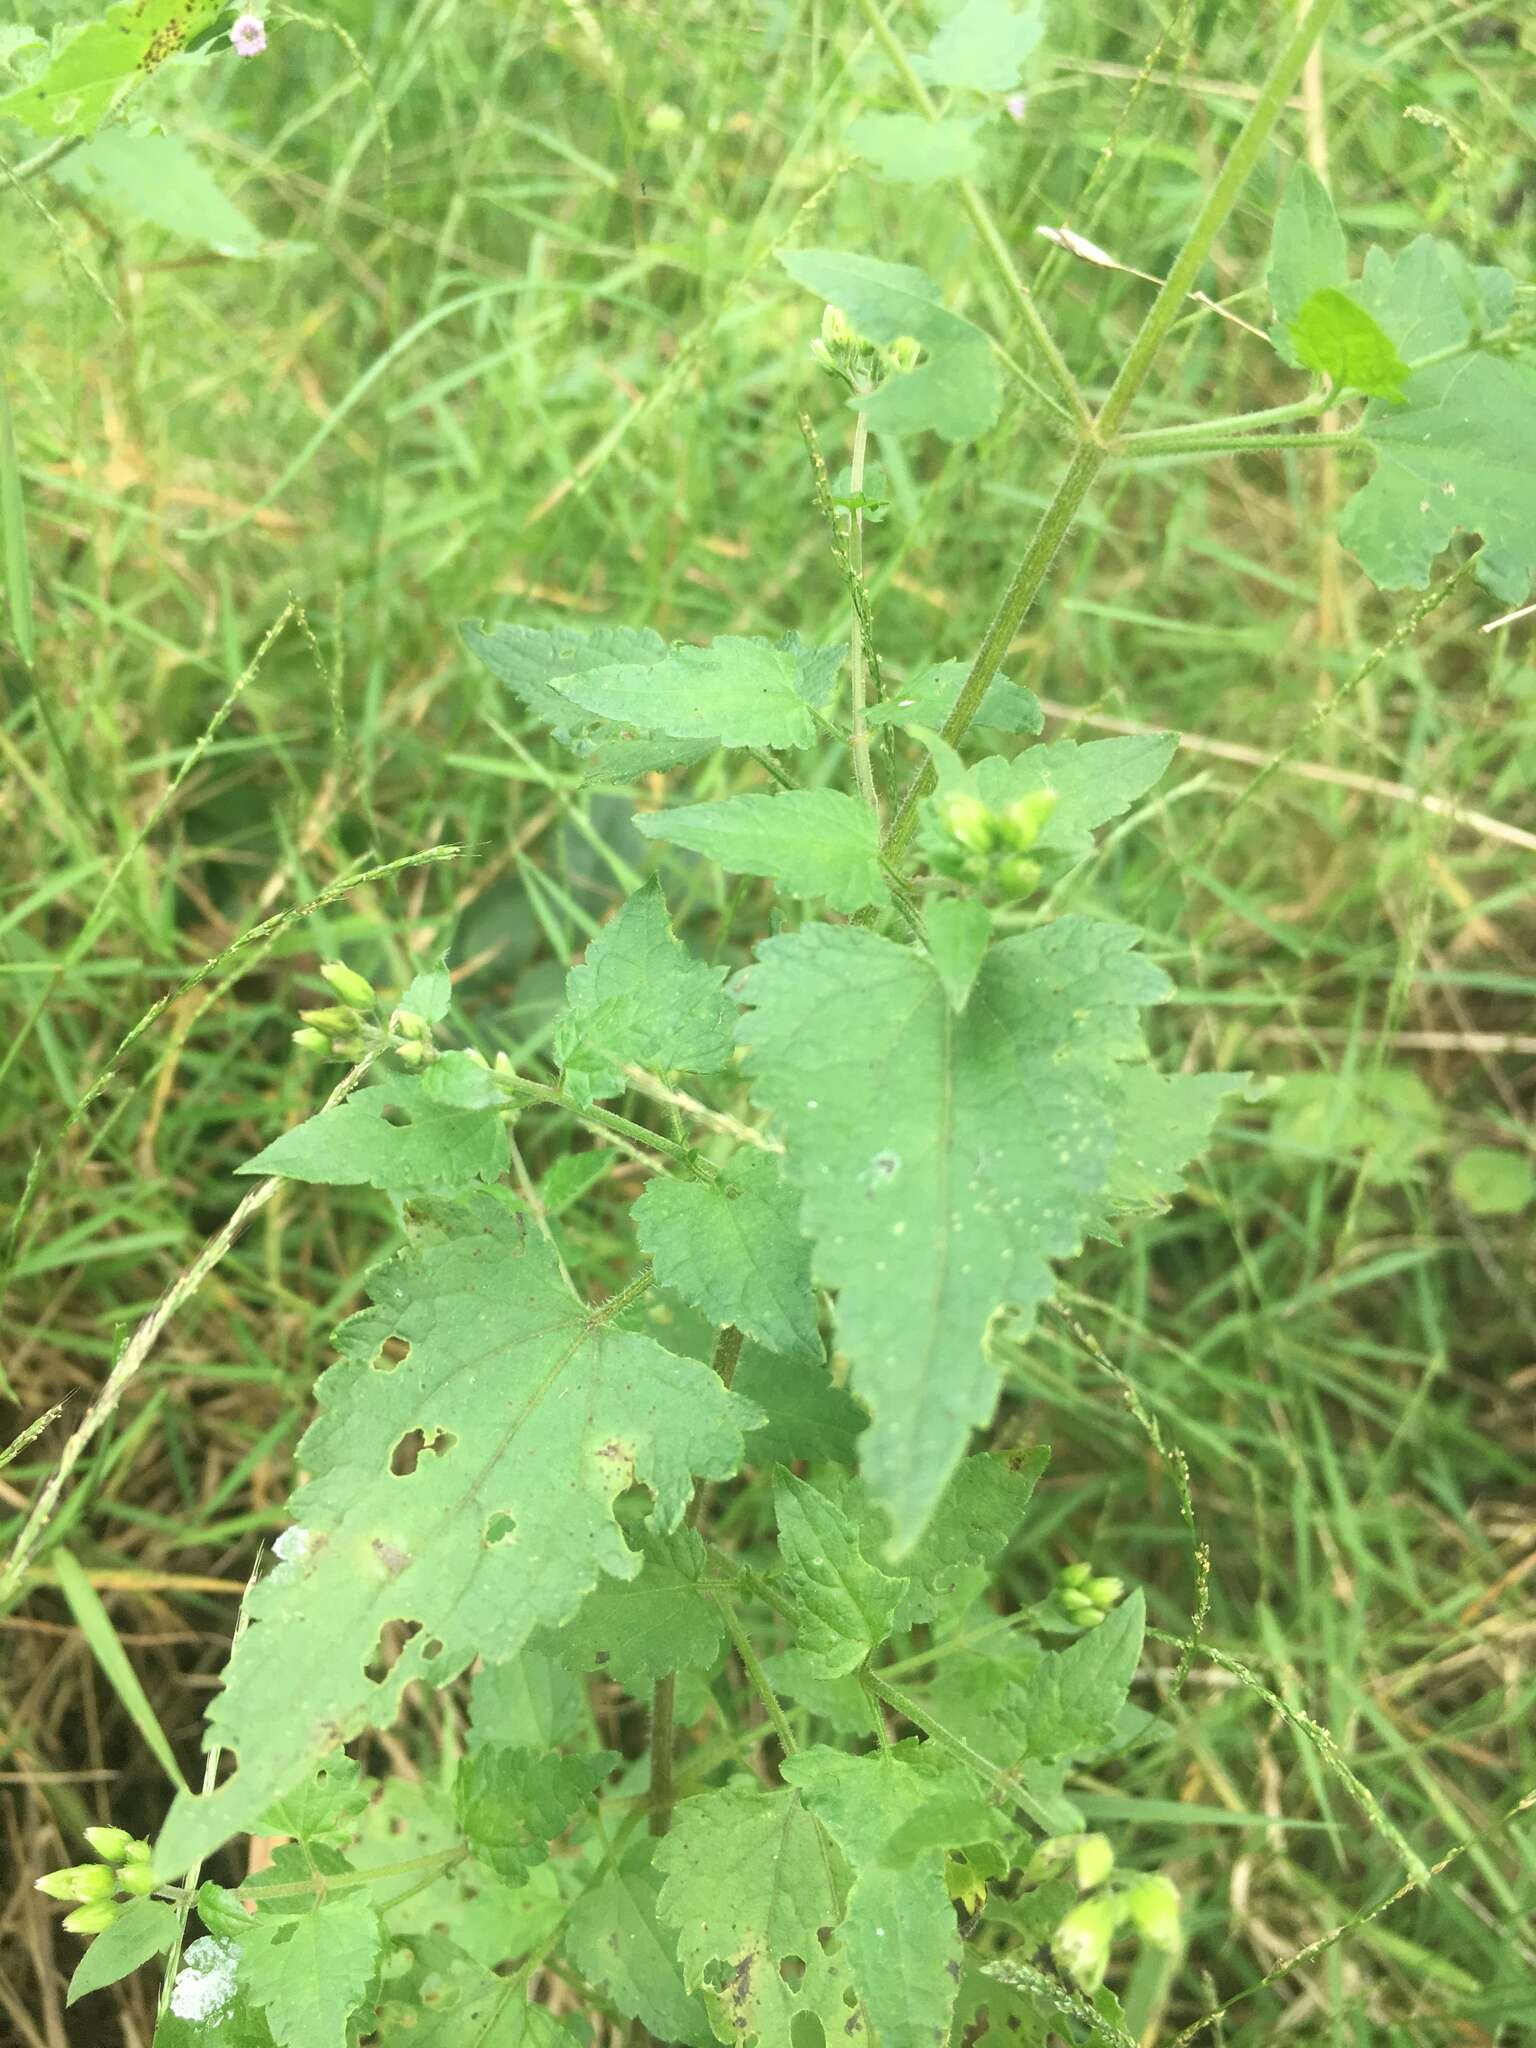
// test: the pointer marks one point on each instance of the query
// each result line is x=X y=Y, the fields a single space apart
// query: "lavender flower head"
x=1017 y=105
x=249 y=36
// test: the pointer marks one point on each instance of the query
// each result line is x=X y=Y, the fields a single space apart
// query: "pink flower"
x=248 y=36
x=1017 y=104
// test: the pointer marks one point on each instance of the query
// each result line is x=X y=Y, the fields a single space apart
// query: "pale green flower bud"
x=1026 y=817
x=1081 y=1943
x=1017 y=875
x=665 y=119
x=111 y=1844
x=94 y=1919
x=1092 y=1861
x=137 y=1879
x=1074 y=1574
x=903 y=353
x=411 y=1055
x=1105 y=1592
x=84 y=1881
x=1049 y=1858
x=139 y=1852
x=349 y=984
x=331 y=1020
x=836 y=330
x=473 y=1052
x=1152 y=1904
x=967 y=820
x=311 y=1041
x=502 y=1064
x=409 y=1025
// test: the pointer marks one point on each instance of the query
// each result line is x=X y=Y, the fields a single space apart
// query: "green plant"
x=981 y=1101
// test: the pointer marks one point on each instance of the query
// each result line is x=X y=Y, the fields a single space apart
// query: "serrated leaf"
x=641 y=999
x=452 y=1135
x=535 y=663
x=525 y=1416
x=806 y=1415
x=732 y=1247
x=1069 y=1703
x=983 y=46
x=512 y=1802
x=615 y=1939
x=845 y=1604
x=321 y=1807
x=144 y=1928
x=928 y=698
x=447 y=1999
x=310 y=1971
x=156 y=179
x=958 y=930
x=90 y=65
x=734 y=693
x=430 y=993
x=955 y=390
x=909 y=149
x=814 y=842
x=1341 y=341
x=636 y=1630
x=899 y=1934
x=1165 y=1121
x=944 y=1161
x=1306 y=254
x=1094 y=782
x=976 y=1519
x=747 y=1883
x=530 y=1700
x=570 y=1179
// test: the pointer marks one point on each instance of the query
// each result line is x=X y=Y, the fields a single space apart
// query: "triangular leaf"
x=1068 y=1704
x=144 y=1928
x=845 y=1603
x=1093 y=782
x=452 y=1135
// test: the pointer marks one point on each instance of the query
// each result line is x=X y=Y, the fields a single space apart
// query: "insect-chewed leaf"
x=635 y=1630
x=748 y=1884
x=955 y=391
x=814 y=842
x=845 y=1603
x=909 y=149
x=1306 y=254
x=899 y=1935
x=733 y=693
x=459 y=1497
x=446 y=1998
x=512 y=1802
x=452 y=1135
x=983 y=46
x=733 y=1248
x=615 y=1939
x=1460 y=453
x=640 y=998
x=323 y=1806
x=1341 y=341
x=72 y=90
x=944 y=1161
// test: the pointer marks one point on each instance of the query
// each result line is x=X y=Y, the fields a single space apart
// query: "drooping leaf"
x=732 y=1247
x=983 y=46
x=73 y=89
x=944 y=1161
x=452 y=1136
x=1094 y=781
x=747 y=1884
x=466 y=1488
x=909 y=149
x=899 y=1935
x=1341 y=341
x=734 y=693
x=635 y=1630
x=641 y=999
x=955 y=390
x=144 y=1928
x=814 y=842
x=616 y=1939
x=1306 y=254
x=156 y=179
x=845 y=1603
x=1460 y=453
x=321 y=1807
x=958 y=930
x=512 y=1802
x=929 y=697
x=1069 y=1702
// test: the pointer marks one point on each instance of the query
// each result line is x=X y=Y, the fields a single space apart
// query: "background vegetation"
x=515 y=345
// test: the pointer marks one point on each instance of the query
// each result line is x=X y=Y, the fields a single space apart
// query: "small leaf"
x=732 y=1247
x=636 y=1630
x=1340 y=340
x=430 y=993
x=845 y=1604
x=453 y=1135
x=978 y=1515
x=983 y=46
x=614 y=1938
x=156 y=179
x=909 y=149
x=535 y=663
x=1306 y=254
x=958 y=930
x=955 y=391
x=1493 y=1183
x=814 y=842
x=748 y=1883
x=929 y=697
x=1070 y=1701
x=144 y=1928
x=734 y=693
x=91 y=65
x=322 y=1806
x=641 y=999
x=513 y=1802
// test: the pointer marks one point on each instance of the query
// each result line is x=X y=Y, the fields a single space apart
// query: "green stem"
x=1093 y=450
x=1239 y=444
x=858 y=737
x=682 y=1156
x=1229 y=423
x=1003 y=1784
x=755 y=1673
x=322 y=1887
x=986 y=226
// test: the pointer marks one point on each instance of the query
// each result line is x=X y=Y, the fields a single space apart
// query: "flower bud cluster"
x=1148 y=1904
x=1085 y=1596
x=971 y=842
x=859 y=363
x=357 y=1024
x=124 y=1869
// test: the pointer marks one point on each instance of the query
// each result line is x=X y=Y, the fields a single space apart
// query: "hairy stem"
x=682 y=1156
x=858 y=737
x=1094 y=448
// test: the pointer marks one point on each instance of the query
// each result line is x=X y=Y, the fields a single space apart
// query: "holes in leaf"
x=389 y=1649
x=433 y=1649
x=408 y=1452
x=792 y=1970
x=392 y=1352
